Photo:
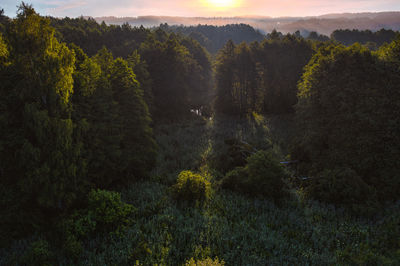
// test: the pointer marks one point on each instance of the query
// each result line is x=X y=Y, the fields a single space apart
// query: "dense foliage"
x=91 y=36
x=69 y=123
x=121 y=161
x=262 y=175
x=41 y=170
x=174 y=71
x=372 y=39
x=347 y=115
x=104 y=213
x=181 y=75
x=213 y=38
x=234 y=228
x=192 y=187
x=261 y=77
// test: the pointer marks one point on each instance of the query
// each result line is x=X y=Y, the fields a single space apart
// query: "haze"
x=206 y=8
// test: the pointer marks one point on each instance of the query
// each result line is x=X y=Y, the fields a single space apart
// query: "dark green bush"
x=38 y=254
x=108 y=210
x=263 y=175
x=233 y=154
x=192 y=187
x=339 y=186
x=105 y=213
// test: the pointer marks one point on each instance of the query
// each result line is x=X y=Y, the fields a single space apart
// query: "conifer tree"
x=225 y=75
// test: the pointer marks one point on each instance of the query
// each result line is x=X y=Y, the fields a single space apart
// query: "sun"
x=222 y=4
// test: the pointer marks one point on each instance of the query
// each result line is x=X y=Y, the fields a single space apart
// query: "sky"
x=205 y=8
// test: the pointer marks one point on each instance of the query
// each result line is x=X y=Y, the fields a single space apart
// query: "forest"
x=180 y=145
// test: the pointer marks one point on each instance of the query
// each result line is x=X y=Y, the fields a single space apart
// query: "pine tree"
x=137 y=143
x=225 y=76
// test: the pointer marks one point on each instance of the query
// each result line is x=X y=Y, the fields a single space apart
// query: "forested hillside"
x=130 y=146
x=213 y=38
x=372 y=39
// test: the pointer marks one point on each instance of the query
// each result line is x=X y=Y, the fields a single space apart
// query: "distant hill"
x=213 y=38
x=324 y=24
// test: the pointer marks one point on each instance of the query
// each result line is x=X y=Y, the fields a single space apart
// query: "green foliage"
x=70 y=124
x=192 y=187
x=180 y=71
x=105 y=214
x=205 y=262
x=260 y=76
x=213 y=38
x=41 y=164
x=242 y=230
x=263 y=175
x=346 y=116
x=234 y=155
x=174 y=72
x=107 y=209
x=349 y=37
x=3 y=50
x=92 y=36
x=341 y=186
x=114 y=121
x=238 y=230
x=38 y=254
x=137 y=143
x=390 y=52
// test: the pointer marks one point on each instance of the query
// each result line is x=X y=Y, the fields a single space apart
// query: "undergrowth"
x=228 y=228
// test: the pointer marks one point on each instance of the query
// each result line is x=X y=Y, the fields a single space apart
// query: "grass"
x=238 y=230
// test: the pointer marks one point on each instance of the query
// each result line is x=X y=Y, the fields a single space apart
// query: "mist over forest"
x=324 y=24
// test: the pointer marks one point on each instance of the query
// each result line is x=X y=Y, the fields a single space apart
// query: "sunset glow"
x=204 y=8
x=222 y=4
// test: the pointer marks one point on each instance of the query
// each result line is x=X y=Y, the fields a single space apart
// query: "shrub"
x=192 y=187
x=38 y=253
x=108 y=210
x=105 y=213
x=205 y=262
x=263 y=175
x=234 y=179
x=339 y=186
x=233 y=154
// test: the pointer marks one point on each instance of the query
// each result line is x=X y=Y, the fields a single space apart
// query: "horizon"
x=202 y=8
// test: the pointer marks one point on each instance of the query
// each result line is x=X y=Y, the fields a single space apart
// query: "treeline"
x=261 y=77
x=373 y=39
x=174 y=70
x=213 y=38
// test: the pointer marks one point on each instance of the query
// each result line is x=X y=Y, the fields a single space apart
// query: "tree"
x=261 y=77
x=140 y=68
x=41 y=167
x=282 y=61
x=137 y=143
x=168 y=65
x=225 y=75
x=200 y=78
x=347 y=116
